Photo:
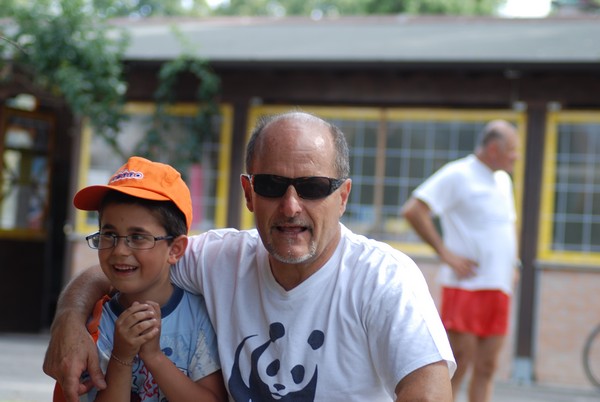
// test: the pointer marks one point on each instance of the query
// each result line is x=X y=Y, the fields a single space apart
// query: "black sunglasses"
x=309 y=188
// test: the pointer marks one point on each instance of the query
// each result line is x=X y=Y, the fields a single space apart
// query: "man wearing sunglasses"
x=304 y=309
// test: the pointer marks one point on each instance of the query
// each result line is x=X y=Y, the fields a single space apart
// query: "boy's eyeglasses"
x=101 y=241
x=309 y=188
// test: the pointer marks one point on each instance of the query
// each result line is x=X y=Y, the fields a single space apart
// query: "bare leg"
x=464 y=347
x=485 y=364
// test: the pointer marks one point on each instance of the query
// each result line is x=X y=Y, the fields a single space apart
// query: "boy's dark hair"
x=167 y=213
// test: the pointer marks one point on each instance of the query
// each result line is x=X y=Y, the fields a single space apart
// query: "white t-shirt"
x=350 y=332
x=477 y=215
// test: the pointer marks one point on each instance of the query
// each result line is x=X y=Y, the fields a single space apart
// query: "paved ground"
x=22 y=379
x=508 y=392
x=21 y=375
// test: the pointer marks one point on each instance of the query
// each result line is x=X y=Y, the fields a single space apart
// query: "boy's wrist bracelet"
x=124 y=363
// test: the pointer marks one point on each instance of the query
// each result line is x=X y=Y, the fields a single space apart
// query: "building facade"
x=410 y=94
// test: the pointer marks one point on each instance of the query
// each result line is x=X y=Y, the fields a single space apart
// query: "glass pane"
x=362 y=141
x=595 y=237
x=415 y=150
x=24 y=183
x=24 y=191
x=172 y=147
x=19 y=137
x=577 y=188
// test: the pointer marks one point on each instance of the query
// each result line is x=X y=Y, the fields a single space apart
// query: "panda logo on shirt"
x=275 y=379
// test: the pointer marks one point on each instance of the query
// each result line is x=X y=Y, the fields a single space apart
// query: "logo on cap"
x=126 y=174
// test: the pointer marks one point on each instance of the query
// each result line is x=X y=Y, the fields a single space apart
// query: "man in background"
x=473 y=197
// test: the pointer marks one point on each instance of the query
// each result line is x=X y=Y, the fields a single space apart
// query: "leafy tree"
x=67 y=51
x=448 y=7
x=356 y=7
x=122 y=8
x=151 y=8
x=6 y=10
x=201 y=130
x=289 y=7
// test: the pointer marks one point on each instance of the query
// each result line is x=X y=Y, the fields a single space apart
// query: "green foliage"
x=289 y=7
x=441 y=7
x=150 y=8
x=191 y=147
x=201 y=130
x=357 y=7
x=68 y=52
x=68 y=49
x=7 y=7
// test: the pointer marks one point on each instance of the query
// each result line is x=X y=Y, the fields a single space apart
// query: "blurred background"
x=86 y=83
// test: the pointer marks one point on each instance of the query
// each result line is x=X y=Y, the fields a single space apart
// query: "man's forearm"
x=418 y=214
x=71 y=350
x=79 y=296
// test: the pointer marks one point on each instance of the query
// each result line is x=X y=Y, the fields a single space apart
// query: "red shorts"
x=481 y=312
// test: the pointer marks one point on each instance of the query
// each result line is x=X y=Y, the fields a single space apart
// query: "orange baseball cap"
x=141 y=178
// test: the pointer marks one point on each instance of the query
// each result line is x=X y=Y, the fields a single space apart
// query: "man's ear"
x=344 y=195
x=178 y=246
x=247 y=186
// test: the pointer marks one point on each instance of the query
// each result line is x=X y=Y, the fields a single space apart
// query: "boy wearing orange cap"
x=155 y=340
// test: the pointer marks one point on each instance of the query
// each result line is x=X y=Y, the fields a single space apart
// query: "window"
x=392 y=151
x=570 y=213
x=207 y=179
x=26 y=149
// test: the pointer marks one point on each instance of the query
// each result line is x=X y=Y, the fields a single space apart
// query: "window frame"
x=387 y=115
x=545 y=253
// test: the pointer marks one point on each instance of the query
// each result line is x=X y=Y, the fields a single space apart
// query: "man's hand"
x=463 y=267
x=72 y=351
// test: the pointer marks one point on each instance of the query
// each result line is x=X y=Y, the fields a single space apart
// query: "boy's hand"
x=152 y=346
x=134 y=327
